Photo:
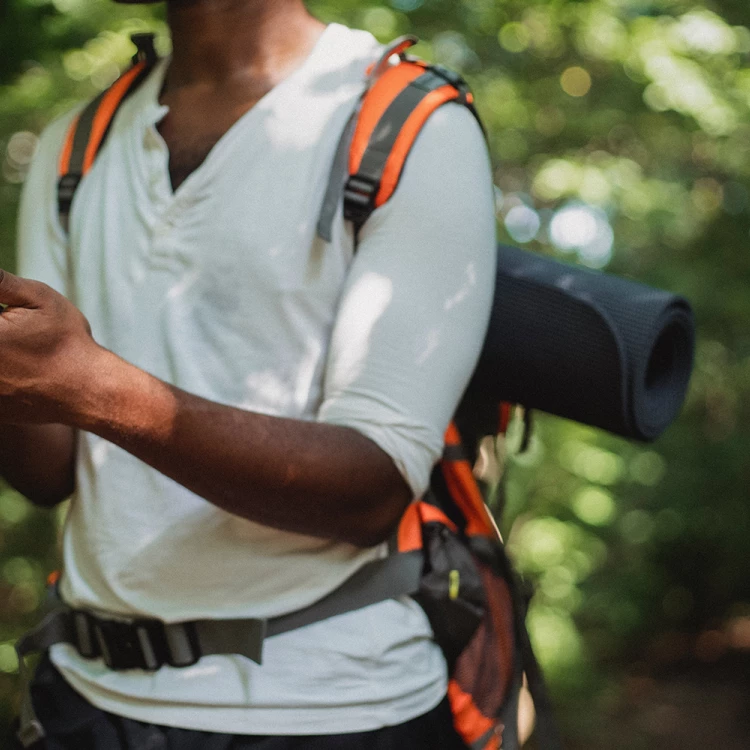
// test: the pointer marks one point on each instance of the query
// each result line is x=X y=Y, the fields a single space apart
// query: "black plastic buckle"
x=146 y=52
x=139 y=644
x=455 y=80
x=84 y=637
x=450 y=76
x=359 y=198
x=66 y=189
x=182 y=644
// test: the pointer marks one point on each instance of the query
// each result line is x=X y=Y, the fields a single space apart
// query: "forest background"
x=620 y=131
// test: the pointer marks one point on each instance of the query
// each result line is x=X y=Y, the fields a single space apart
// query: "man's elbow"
x=382 y=521
x=46 y=494
x=46 y=499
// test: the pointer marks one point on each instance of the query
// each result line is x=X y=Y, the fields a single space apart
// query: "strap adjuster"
x=129 y=645
x=135 y=644
x=182 y=644
x=359 y=198
x=455 y=80
x=84 y=636
x=145 y=49
x=31 y=733
x=66 y=189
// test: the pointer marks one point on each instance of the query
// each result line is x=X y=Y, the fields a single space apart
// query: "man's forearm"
x=306 y=477
x=39 y=461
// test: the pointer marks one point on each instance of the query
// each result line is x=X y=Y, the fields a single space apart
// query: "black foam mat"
x=585 y=345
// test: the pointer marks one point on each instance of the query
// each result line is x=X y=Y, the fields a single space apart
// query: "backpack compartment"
x=468 y=602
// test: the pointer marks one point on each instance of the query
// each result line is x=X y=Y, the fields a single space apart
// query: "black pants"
x=72 y=723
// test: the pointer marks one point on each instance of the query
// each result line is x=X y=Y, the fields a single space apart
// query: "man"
x=251 y=409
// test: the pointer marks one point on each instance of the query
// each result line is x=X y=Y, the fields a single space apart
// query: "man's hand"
x=45 y=349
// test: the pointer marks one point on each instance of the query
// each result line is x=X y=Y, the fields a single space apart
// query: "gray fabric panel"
x=375 y=582
x=337 y=180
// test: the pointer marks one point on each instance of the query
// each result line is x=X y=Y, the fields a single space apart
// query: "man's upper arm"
x=414 y=311
x=41 y=245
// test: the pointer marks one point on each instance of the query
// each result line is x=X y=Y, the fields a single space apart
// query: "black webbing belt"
x=149 y=644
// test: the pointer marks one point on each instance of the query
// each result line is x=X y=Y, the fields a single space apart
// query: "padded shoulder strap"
x=380 y=134
x=90 y=129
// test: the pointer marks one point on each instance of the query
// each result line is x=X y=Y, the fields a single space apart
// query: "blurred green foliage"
x=633 y=117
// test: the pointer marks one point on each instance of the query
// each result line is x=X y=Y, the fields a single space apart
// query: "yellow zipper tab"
x=454 y=583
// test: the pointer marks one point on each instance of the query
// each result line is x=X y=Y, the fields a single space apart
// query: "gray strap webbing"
x=337 y=180
x=375 y=582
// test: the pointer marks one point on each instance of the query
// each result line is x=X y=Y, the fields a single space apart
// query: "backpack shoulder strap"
x=89 y=131
x=377 y=140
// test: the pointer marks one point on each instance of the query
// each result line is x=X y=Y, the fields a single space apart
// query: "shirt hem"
x=273 y=721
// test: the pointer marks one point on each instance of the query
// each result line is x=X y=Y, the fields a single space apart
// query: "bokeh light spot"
x=594 y=506
x=522 y=223
x=576 y=81
x=514 y=37
x=636 y=527
x=586 y=230
x=8 y=658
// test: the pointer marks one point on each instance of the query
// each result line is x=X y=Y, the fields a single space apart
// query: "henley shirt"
x=223 y=289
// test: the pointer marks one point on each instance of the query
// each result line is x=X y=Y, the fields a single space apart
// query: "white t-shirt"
x=223 y=289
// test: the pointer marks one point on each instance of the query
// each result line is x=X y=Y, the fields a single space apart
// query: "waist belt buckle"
x=138 y=644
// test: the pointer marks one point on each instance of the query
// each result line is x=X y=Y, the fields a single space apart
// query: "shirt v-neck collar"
x=153 y=111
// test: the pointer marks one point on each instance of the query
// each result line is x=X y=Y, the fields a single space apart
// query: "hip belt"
x=149 y=644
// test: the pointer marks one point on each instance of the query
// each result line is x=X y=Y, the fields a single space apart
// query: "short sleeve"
x=415 y=308
x=42 y=244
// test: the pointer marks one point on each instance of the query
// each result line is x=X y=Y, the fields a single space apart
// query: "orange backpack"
x=447 y=552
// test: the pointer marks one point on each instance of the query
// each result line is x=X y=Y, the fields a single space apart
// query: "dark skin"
x=306 y=477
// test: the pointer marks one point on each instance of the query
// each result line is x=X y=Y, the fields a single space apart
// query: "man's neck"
x=220 y=42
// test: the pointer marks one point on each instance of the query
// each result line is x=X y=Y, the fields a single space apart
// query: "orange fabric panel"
x=406 y=137
x=429 y=512
x=65 y=154
x=469 y=721
x=506 y=413
x=410 y=528
x=452 y=436
x=464 y=491
x=53 y=578
x=106 y=112
x=376 y=102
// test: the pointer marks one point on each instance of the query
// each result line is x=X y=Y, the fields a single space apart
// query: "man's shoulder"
x=53 y=135
x=347 y=47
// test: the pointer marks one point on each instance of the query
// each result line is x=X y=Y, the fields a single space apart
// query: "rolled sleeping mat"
x=585 y=345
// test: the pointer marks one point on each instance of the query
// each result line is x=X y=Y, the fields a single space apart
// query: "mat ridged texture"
x=585 y=345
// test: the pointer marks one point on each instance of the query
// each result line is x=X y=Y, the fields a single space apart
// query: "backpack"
x=447 y=552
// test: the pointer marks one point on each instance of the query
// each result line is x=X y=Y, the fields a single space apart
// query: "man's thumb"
x=18 y=292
